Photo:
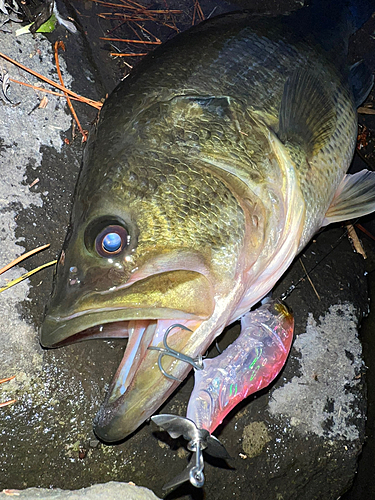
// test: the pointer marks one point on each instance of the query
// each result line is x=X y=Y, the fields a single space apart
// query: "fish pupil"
x=111 y=242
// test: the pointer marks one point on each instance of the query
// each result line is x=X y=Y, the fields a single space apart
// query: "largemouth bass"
x=211 y=166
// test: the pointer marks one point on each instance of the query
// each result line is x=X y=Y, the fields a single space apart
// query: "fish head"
x=153 y=242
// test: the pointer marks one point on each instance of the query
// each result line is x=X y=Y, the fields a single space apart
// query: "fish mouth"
x=139 y=387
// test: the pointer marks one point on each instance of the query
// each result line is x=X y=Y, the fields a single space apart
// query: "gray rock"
x=322 y=399
x=108 y=491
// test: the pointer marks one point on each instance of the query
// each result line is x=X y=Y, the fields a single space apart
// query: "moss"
x=254 y=438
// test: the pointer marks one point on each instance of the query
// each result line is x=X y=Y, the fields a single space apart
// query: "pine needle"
x=308 y=277
x=354 y=240
x=94 y=104
x=120 y=54
x=6 y=403
x=90 y=102
x=129 y=41
x=23 y=257
x=7 y=379
x=60 y=45
x=26 y=275
x=366 y=111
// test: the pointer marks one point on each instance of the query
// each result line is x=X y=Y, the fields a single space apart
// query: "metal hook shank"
x=196 y=363
x=196 y=476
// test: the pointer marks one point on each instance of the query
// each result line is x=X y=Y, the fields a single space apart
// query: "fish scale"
x=172 y=218
x=261 y=86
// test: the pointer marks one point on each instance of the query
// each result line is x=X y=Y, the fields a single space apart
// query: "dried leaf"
x=43 y=103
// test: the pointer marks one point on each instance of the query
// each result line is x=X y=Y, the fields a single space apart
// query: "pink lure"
x=245 y=367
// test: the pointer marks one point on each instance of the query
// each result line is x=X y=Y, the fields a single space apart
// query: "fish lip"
x=57 y=332
x=197 y=290
x=95 y=332
x=102 y=423
x=110 y=423
x=83 y=313
x=139 y=387
x=136 y=350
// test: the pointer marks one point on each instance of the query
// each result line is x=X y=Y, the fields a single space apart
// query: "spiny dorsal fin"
x=354 y=198
x=307 y=113
x=361 y=80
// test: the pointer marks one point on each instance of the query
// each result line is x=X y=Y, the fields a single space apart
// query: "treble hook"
x=196 y=363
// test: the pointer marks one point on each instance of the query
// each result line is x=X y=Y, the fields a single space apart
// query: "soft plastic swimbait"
x=249 y=364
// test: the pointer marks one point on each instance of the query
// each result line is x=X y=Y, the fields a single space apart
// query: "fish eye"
x=111 y=241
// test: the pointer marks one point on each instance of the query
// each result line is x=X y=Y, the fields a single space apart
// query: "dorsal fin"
x=354 y=198
x=307 y=114
x=361 y=81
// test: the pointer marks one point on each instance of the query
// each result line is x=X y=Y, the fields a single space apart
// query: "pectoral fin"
x=354 y=198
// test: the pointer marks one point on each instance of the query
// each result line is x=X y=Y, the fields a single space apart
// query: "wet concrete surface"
x=108 y=491
x=49 y=429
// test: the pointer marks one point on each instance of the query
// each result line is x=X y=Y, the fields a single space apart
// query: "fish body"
x=210 y=168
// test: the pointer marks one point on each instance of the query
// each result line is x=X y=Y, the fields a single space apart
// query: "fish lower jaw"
x=142 y=382
x=144 y=335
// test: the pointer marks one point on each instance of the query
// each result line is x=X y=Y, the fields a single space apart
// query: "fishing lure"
x=249 y=364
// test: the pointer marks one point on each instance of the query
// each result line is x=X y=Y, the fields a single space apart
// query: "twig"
x=98 y=105
x=308 y=277
x=60 y=45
